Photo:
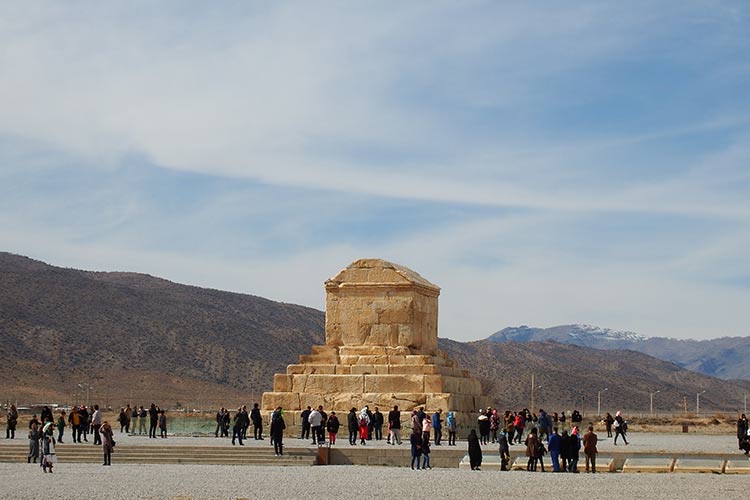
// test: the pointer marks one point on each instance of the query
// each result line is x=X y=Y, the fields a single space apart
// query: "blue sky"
x=543 y=162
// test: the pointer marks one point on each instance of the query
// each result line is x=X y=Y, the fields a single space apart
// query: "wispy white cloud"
x=543 y=164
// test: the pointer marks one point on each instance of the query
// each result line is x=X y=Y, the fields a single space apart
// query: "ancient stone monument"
x=381 y=350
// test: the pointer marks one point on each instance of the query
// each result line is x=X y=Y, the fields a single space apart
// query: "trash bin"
x=322 y=455
x=684 y=428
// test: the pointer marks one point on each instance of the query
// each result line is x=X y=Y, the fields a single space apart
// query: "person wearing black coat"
x=394 y=425
x=416 y=441
x=503 y=449
x=742 y=430
x=277 y=431
x=332 y=426
x=353 y=425
x=565 y=451
x=377 y=424
x=475 y=451
x=153 y=415
x=257 y=420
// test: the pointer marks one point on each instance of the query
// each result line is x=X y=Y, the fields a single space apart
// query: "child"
x=426 y=453
x=163 y=424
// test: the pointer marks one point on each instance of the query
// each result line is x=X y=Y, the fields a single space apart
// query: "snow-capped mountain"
x=724 y=357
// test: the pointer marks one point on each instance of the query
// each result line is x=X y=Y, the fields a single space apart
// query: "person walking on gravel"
x=621 y=427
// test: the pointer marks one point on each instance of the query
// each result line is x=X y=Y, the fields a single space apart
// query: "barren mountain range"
x=127 y=337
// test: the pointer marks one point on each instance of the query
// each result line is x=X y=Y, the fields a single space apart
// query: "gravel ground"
x=188 y=482
x=639 y=442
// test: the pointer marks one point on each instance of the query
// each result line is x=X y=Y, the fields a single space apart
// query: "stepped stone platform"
x=381 y=350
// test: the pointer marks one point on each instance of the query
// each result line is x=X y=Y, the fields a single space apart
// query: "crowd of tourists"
x=541 y=433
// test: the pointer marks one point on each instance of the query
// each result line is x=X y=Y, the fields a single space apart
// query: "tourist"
x=84 y=426
x=532 y=450
x=237 y=427
x=589 y=449
x=484 y=426
x=122 y=419
x=503 y=449
x=305 y=423
x=543 y=424
x=353 y=426
x=257 y=420
x=33 y=444
x=555 y=446
x=245 y=421
x=574 y=449
x=219 y=422
x=163 y=424
x=277 y=431
x=60 y=426
x=426 y=427
x=564 y=451
x=475 y=451
x=46 y=415
x=450 y=424
x=519 y=423
x=621 y=427
x=576 y=417
x=416 y=447
x=370 y=424
x=332 y=426
x=394 y=425
x=96 y=421
x=107 y=440
x=34 y=421
x=608 y=421
x=142 y=413
x=742 y=429
x=426 y=452
x=416 y=423
x=745 y=443
x=494 y=425
x=437 y=426
x=377 y=424
x=49 y=457
x=74 y=419
x=563 y=418
x=11 y=420
x=133 y=419
x=316 y=421
x=364 y=425
x=153 y=415
x=322 y=428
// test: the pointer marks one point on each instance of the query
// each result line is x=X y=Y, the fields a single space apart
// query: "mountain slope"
x=78 y=326
x=569 y=376
x=724 y=357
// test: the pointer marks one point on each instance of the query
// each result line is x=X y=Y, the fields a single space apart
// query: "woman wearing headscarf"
x=621 y=427
x=575 y=447
x=532 y=445
x=49 y=457
x=450 y=423
x=416 y=447
x=475 y=451
x=364 y=425
x=108 y=442
x=33 y=443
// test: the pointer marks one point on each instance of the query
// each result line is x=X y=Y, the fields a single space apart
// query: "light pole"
x=698 y=403
x=599 y=402
x=652 y=401
x=88 y=388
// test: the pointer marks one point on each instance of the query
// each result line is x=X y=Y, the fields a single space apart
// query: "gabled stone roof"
x=379 y=272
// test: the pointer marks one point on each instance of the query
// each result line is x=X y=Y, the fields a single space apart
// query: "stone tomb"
x=381 y=350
